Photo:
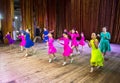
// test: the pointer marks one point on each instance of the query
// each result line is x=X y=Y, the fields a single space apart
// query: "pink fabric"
x=82 y=41
x=51 y=49
x=61 y=38
x=74 y=39
x=67 y=49
x=23 y=42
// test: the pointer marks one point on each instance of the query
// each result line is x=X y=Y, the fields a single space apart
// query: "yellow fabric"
x=96 y=55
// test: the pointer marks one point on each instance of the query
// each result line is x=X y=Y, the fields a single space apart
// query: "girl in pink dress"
x=23 y=42
x=67 y=49
x=82 y=40
x=65 y=31
x=51 y=49
x=74 y=34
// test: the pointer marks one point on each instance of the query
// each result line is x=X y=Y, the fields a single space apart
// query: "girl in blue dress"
x=29 y=42
x=45 y=35
x=104 y=41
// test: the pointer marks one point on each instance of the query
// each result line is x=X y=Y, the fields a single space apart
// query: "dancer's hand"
x=98 y=35
x=76 y=31
x=105 y=37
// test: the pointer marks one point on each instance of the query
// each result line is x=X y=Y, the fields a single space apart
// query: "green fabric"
x=96 y=55
x=104 y=42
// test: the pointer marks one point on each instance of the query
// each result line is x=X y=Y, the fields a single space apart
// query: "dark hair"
x=29 y=29
x=52 y=33
x=65 y=33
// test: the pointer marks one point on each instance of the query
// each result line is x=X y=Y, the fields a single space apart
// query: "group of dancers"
x=98 y=50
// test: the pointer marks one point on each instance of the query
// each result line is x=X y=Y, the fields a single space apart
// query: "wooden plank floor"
x=15 y=68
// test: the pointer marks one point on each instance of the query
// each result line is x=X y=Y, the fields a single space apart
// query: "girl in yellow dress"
x=96 y=59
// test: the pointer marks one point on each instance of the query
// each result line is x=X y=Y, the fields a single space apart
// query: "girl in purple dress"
x=51 y=49
x=82 y=40
x=67 y=49
x=74 y=34
x=10 y=39
x=23 y=42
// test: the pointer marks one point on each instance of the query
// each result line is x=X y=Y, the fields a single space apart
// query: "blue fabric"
x=45 y=39
x=29 y=42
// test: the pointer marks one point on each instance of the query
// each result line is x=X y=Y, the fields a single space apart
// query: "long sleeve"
x=69 y=33
x=77 y=35
x=101 y=35
x=61 y=43
x=5 y=36
x=109 y=36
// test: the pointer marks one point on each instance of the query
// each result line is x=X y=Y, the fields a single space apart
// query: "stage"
x=15 y=68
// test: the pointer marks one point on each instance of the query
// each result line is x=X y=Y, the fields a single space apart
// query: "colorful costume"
x=67 y=49
x=96 y=55
x=29 y=42
x=45 y=39
x=74 y=39
x=104 y=42
x=10 y=40
x=23 y=42
x=82 y=41
x=51 y=49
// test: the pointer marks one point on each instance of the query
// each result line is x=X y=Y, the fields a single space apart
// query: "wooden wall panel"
x=7 y=12
x=27 y=15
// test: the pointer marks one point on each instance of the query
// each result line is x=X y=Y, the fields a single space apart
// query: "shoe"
x=50 y=60
x=64 y=63
x=91 y=70
x=106 y=59
x=71 y=61
x=98 y=67
x=21 y=49
x=26 y=55
x=54 y=58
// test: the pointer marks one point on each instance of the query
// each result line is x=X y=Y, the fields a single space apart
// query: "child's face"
x=104 y=29
x=65 y=30
x=82 y=34
x=8 y=33
x=50 y=35
x=27 y=30
x=73 y=31
x=45 y=29
x=93 y=35
x=64 y=35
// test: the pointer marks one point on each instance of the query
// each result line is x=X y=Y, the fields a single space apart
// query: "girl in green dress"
x=104 y=41
x=96 y=59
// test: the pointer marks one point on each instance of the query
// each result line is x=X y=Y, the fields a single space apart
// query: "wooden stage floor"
x=15 y=68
